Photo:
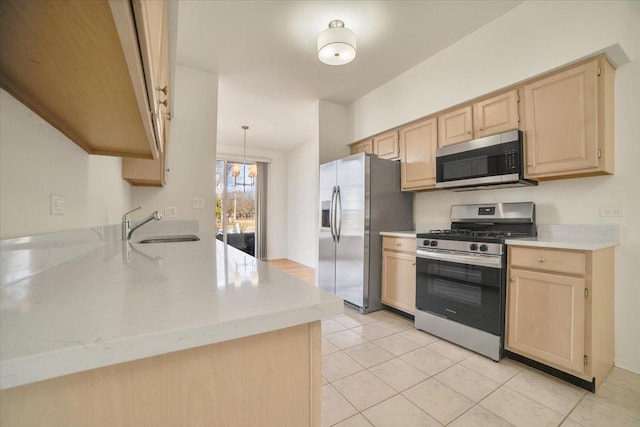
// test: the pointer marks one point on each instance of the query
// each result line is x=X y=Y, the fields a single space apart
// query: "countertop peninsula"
x=77 y=302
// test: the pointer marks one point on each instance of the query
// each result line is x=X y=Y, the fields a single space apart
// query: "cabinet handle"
x=468 y=132
x=398 y=244
x=541 y=259
x=529 y=163
x=479 y=129
x=163 y=102
x=164 y=90
x=413 y=263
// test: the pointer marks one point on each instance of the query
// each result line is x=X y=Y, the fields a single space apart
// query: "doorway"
x=236 y=204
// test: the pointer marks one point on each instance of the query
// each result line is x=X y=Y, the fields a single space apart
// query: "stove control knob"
x=434 y=243
x=473 y=247
x=484 y=248
x=426 y=242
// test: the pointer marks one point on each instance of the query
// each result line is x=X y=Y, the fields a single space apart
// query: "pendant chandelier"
x=253 y=170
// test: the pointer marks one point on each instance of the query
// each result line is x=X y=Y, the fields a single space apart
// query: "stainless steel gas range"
x=461 y=274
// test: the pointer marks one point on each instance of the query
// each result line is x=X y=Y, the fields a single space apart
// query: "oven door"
x=464 y=288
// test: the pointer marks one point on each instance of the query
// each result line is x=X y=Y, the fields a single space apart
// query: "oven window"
x=457 y=271
x=470 y=295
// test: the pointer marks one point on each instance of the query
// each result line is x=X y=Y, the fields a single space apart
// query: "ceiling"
x=265 y=55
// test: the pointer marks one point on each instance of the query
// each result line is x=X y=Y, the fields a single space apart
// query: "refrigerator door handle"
x=338 y=212
x=332 y=213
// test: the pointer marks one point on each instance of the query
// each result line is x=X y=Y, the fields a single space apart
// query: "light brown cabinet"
x=418 y=143
x=78 y=65
x=365 y=146
x=268 y=379
x=385 y=145
x=399 y=273
x=489 y=116
x=154 y=45
x=569 y=122
x=496 y=114
x=560 y=309
x=455 y=126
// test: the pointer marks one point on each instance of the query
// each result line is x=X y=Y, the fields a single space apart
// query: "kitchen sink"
x=171 y=239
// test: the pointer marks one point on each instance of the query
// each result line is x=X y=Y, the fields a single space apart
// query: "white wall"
x=191 y=152
x=276 y=193
x=302 y=204
x=533 y=38
x=333 y=131
x=37 y=160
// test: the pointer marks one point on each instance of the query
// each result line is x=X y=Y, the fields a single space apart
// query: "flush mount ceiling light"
x=336 y=44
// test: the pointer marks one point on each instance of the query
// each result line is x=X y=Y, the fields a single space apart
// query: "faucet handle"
x=124 y=217
x=157 y=215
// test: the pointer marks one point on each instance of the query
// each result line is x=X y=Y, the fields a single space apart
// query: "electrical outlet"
x=611 y=211
x=57 y=204
x=170 y=212
x=198 y=203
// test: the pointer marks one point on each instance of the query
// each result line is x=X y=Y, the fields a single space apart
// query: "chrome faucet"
x=128 y=229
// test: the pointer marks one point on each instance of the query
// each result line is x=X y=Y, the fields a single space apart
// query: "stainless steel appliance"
x=496 y=161
x=461 y=274
x=359 y=197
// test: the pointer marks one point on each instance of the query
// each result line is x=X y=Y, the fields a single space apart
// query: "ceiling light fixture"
x=336 y=44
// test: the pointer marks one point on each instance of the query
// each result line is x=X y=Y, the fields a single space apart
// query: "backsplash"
x=579 y=232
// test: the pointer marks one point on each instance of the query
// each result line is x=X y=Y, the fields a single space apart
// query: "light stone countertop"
x=563 y=243
x=409 y=234
x=79 y=303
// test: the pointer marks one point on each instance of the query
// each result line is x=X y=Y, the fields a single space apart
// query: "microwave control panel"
x=511 y=160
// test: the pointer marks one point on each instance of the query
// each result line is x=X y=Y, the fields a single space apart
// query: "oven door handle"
x=482 y=261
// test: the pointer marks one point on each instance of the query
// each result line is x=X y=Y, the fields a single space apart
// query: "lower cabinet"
x=560 y=309
x=399 y=273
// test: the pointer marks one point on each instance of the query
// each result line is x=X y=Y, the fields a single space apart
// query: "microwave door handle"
x=338 y=213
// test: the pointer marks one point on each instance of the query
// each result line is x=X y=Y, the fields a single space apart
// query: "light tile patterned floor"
x=378 y=370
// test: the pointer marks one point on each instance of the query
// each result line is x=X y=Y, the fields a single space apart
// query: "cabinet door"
x=362 y=146
x=495 y=115
x=151 y=26
x=546 y=318
x=455 y=127
x=418 y=144
x=399 y=280
x=385 y=146
x=562 y=122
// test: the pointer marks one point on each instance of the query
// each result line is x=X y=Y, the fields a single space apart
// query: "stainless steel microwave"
x=496 y=161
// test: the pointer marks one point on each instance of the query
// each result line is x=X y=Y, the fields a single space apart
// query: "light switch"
x=198 y=203
x=170 y=212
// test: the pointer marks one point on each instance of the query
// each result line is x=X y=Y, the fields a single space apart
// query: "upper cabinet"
x=569 y=122
x=153 y=37
x=365 y=146
x=486 y=117
x=385 y=145
x=455 y=126
x=496 y=114
x=79 y=65
x=418 y=143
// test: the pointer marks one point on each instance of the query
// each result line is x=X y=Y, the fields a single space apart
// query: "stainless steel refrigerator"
x=359 y=197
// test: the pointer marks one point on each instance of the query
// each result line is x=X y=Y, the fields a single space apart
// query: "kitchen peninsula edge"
x=159 y=332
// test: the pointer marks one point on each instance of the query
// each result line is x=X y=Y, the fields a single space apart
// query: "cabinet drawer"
x=403 y=244
x=548 y=260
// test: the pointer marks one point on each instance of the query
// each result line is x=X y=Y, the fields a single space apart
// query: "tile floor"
x=378 y=370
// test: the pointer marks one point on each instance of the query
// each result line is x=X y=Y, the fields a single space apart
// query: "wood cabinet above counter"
x=78 y=65
x=566 y=116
